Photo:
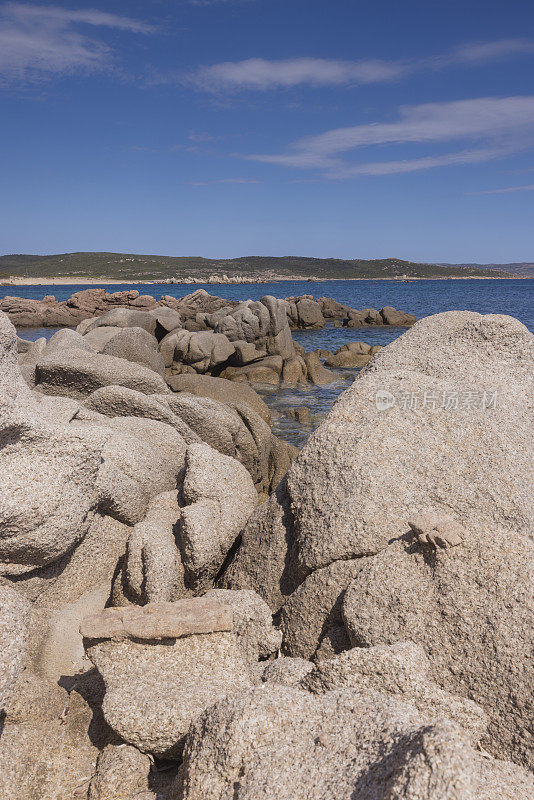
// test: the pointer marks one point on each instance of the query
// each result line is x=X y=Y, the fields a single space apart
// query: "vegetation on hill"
x=523 y=268
x=151 y=267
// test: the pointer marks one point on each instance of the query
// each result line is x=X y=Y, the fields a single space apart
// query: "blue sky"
x=239 y=127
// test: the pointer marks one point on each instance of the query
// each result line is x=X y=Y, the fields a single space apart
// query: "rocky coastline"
x=303 y=311
x=192 y=609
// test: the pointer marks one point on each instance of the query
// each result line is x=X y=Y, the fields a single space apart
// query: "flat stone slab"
x=159 y=620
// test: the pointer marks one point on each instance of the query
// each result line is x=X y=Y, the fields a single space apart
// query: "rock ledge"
x=159 y=620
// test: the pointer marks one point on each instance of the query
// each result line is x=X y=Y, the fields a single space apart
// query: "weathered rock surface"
x=154 y=571
x=119 y=401
x=262 y=322
x=45 y=750
x=315 y=606
x=266 y=370
x=332 y=309
x=237 y=432
x=121 y=772
x=317 y=374
x=391 y=316
x=218 y=498
x=157 y=684
x=253 y=624
x=67 y=339
x=138 y=346
x=14 y=618
x=65 y=592
x=302 y=414
x=265 y=558
x=123 y=318
x=370 y=469
x=287 y=671
x=141 y=459
x=471 y=608
x=305 y=312
x=401 y=670
x=220 y=389
x=77 y=374
x=99 y=337
x=47 y=496
x=342 y=744
x=202 y=350
x=386 y=316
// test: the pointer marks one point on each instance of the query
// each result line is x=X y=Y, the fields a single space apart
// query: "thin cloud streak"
x=263 y=74
x=221 y=181
x=499 y=126
x=38 y=41
x=528 y=188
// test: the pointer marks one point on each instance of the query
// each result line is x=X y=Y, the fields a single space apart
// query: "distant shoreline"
x=86 y=281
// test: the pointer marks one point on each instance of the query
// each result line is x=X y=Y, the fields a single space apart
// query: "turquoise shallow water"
x=422 y=298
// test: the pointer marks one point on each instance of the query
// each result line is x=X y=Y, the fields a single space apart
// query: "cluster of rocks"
x=302 y=312
x=305 y=312
x=366 y=632
x=249 y=342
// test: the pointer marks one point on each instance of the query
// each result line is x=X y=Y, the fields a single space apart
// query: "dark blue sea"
x=422 y=298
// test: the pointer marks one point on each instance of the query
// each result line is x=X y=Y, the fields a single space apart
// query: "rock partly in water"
x=352 y=355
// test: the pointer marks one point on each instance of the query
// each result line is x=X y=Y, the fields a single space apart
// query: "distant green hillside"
x=523 y=268
x=145 y=267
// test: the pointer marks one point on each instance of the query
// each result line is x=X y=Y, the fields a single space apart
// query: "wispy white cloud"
x=484 y=52
x=38 y=41
x=264 y=74
x=222 y=180
x=498 y=126
x=258 y=73
x=526 y=188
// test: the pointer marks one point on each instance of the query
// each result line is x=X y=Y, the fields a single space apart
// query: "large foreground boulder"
x=279 y=741
x=471 y=608
x=438 y=424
